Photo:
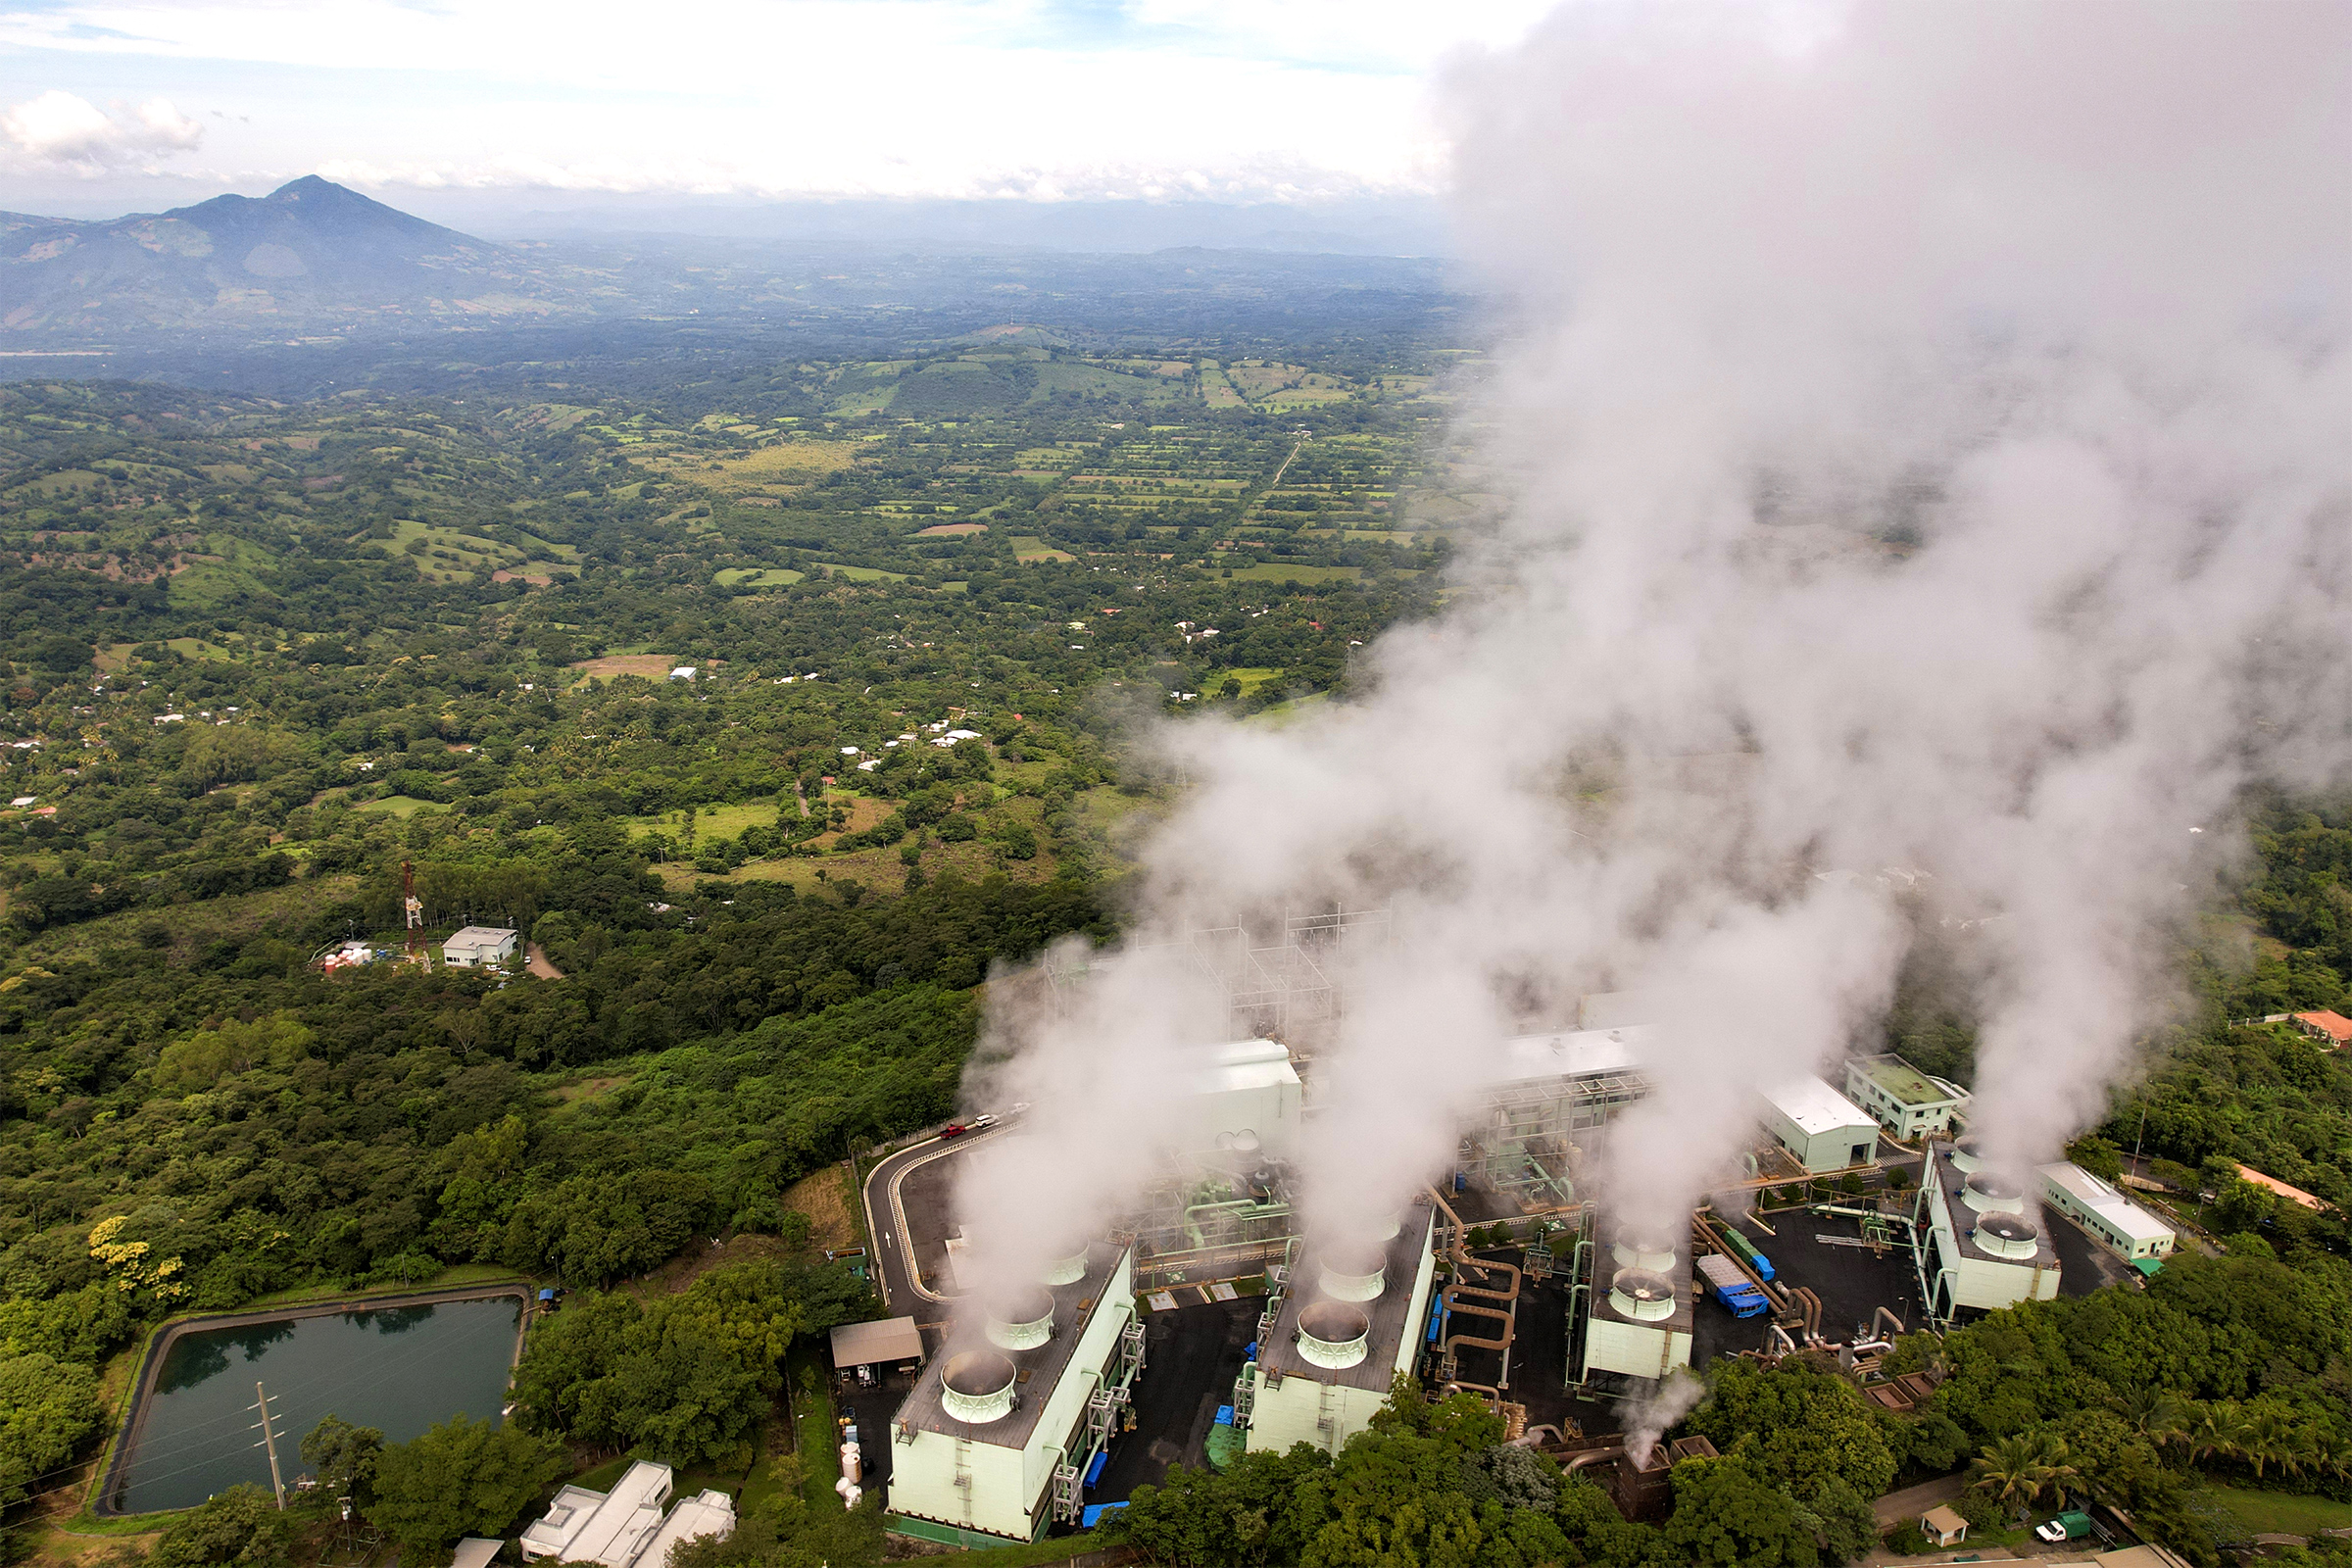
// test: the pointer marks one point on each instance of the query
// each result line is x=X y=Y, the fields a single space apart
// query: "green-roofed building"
x=1907 y=1102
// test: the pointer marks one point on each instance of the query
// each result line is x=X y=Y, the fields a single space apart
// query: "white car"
x=980 y=1122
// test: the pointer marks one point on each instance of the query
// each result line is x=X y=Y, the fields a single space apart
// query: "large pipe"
x=1595 y=1456
x=1883 y=1312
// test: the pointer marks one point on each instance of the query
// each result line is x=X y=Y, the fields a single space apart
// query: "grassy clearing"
x=1278 y=572
x=835 y=568
x=787 y=464
x=726 y=822
x=2284 y=1513
x=652 y=666
x=757 y=577
x=1029 y=547
x=821 y=1198
x=403 y=806
x=198 y=647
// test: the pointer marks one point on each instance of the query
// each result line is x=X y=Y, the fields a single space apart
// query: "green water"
x=400 y=1370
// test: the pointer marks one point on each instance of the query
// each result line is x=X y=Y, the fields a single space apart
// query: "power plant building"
x=1822 y=1129
x=1247 y=1090
x=1552 y=1090
x=1988 y=1250
x=1908 y=1102
x=1333 y=1347
x=1640 y=1306
x=2105 y=1215
x=1001 y=1431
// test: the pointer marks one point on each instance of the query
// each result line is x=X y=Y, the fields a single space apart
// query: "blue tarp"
x=1093 y=1513
x=1093 y=1472
x=1224 y=1415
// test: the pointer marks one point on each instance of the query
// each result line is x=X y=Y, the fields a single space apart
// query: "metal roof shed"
x=1819 y=1126
x=890 y=1338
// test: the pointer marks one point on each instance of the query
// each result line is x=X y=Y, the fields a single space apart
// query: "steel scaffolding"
x=1279 y=990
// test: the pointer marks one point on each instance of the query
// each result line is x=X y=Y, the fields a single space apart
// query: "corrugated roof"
x=1571 y=1054
x=1815 y=1108
x=890 y=1338
x=2111 y=1206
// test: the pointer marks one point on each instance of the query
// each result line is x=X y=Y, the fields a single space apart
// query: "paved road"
x=1912 y=1501
x=904 y=1289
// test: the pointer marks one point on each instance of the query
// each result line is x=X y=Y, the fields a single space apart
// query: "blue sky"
x=113 y=104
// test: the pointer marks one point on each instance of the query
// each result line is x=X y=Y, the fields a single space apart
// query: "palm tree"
x=2213 y=1429
x=2016 y=1471
x=2157 y=1414
x=2268 y=1435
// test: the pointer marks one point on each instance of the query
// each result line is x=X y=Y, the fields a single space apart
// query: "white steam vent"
x=1651 y=1253
x=1642 y=1295
x=1354 y=1273
x=1021 y=1320
x=1988 y=1194
x=2006 y=1235
x=1968 y=1155
x=1066 y=1270
x=1334 y=1335
x=977 y=1386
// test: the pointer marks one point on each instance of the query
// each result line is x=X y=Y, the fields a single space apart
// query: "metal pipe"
x=1883 y=1312
x=1595 y=1456
x=1788 y=1345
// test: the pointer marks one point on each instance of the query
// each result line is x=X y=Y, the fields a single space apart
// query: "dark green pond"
x=400 y=1370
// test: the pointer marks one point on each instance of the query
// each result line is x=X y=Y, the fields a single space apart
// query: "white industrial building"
x=2105 y=1215
x=1989 y=1248
x=1245 y=1091
x=479 y=945
x=1908 y=1102
x=1642 y=1307
x=625 y=1527
x=1822 y=1129
x=1001 y=1429
x=1330 y=1349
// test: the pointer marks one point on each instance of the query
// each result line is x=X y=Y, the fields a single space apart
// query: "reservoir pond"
x=397 y=1369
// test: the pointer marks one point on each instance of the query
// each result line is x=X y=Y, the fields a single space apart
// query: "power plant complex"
x=1849 y=1216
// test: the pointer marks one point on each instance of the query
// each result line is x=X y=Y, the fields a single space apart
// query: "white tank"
x=2007 y=1235
x=1641 y=1295
x=1354 y=1273
x=976 y=1387
x=1653 y=1255
x=1019 y=1320
x=1066 y=1270
x=1988 y=1194
x=1334 y=1335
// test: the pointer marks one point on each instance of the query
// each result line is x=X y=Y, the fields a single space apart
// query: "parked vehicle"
x=1748 y=1253
x=1724 y=1281
x=2072 y=1525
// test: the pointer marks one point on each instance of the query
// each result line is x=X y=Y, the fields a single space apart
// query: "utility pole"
x=268 y=1440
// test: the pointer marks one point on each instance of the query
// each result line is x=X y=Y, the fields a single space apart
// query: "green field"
x=757 y=576
x=2286 y=1513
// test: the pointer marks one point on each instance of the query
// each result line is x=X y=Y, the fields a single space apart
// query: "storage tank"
x=1066 y=1270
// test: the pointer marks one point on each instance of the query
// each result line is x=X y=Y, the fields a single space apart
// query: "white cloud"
x=826 y=97
x=62 y=132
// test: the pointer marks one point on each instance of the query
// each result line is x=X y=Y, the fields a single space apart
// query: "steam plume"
x=1922 y=429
